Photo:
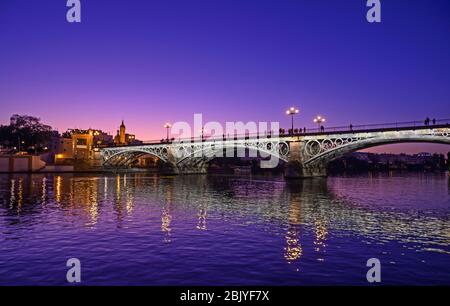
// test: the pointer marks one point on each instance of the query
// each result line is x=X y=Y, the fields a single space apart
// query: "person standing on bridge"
x=351 y=127
x=434 y=121
x=322 y=128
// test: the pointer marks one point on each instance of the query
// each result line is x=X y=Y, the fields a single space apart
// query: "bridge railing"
x=313 y=131
x=380 y=126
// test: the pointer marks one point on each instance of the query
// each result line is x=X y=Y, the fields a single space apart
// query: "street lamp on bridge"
x=203 y=131
x=291 y=112
x=319 y=120
x=168 y=125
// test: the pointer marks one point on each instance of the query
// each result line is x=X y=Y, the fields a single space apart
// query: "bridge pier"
x=295 y=170
x=317 y=170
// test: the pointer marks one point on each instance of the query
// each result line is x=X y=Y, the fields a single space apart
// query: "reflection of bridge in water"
x=305 y=154
x=304 y=207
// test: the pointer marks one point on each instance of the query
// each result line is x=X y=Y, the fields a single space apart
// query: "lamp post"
x=291 y=112
x=167 y=126
x=319 y=120
x=202 y=130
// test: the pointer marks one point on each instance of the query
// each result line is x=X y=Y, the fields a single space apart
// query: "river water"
x=141 y=229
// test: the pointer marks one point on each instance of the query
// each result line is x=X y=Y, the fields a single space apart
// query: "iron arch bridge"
x=306 y=155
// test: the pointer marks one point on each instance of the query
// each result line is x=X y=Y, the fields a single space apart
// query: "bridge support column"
x=168 y=169
x=317 y=170
x=295 y=169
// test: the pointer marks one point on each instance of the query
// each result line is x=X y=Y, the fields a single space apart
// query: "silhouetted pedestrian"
x=351 y=127
x=304 y=130
x=322 y=128
x=434 y=121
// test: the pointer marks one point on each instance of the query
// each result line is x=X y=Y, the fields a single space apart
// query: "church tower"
x=122 y=134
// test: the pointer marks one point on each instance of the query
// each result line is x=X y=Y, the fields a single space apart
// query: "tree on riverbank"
x=25 y=132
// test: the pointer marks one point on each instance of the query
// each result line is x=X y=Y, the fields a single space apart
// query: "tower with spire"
x=122 y=135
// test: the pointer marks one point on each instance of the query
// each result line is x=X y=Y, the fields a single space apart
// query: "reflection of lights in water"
x=129 y=201
x=20 y=195
x=293 y=251
x=44 y=190
x=129 y=192
x=13 y=193
x=105 y=188
x=165 y=223
x=71 y=194
x=84 y=196
x=321 y=233
x=118 y=198
x=93 y=204
x=93 y=211
x=166 y=218
x=201 y=225
x=58 y=189
x=118 y=185
x=294 y=214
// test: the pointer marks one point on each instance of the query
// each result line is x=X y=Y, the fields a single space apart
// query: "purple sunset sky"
x=149 y=62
